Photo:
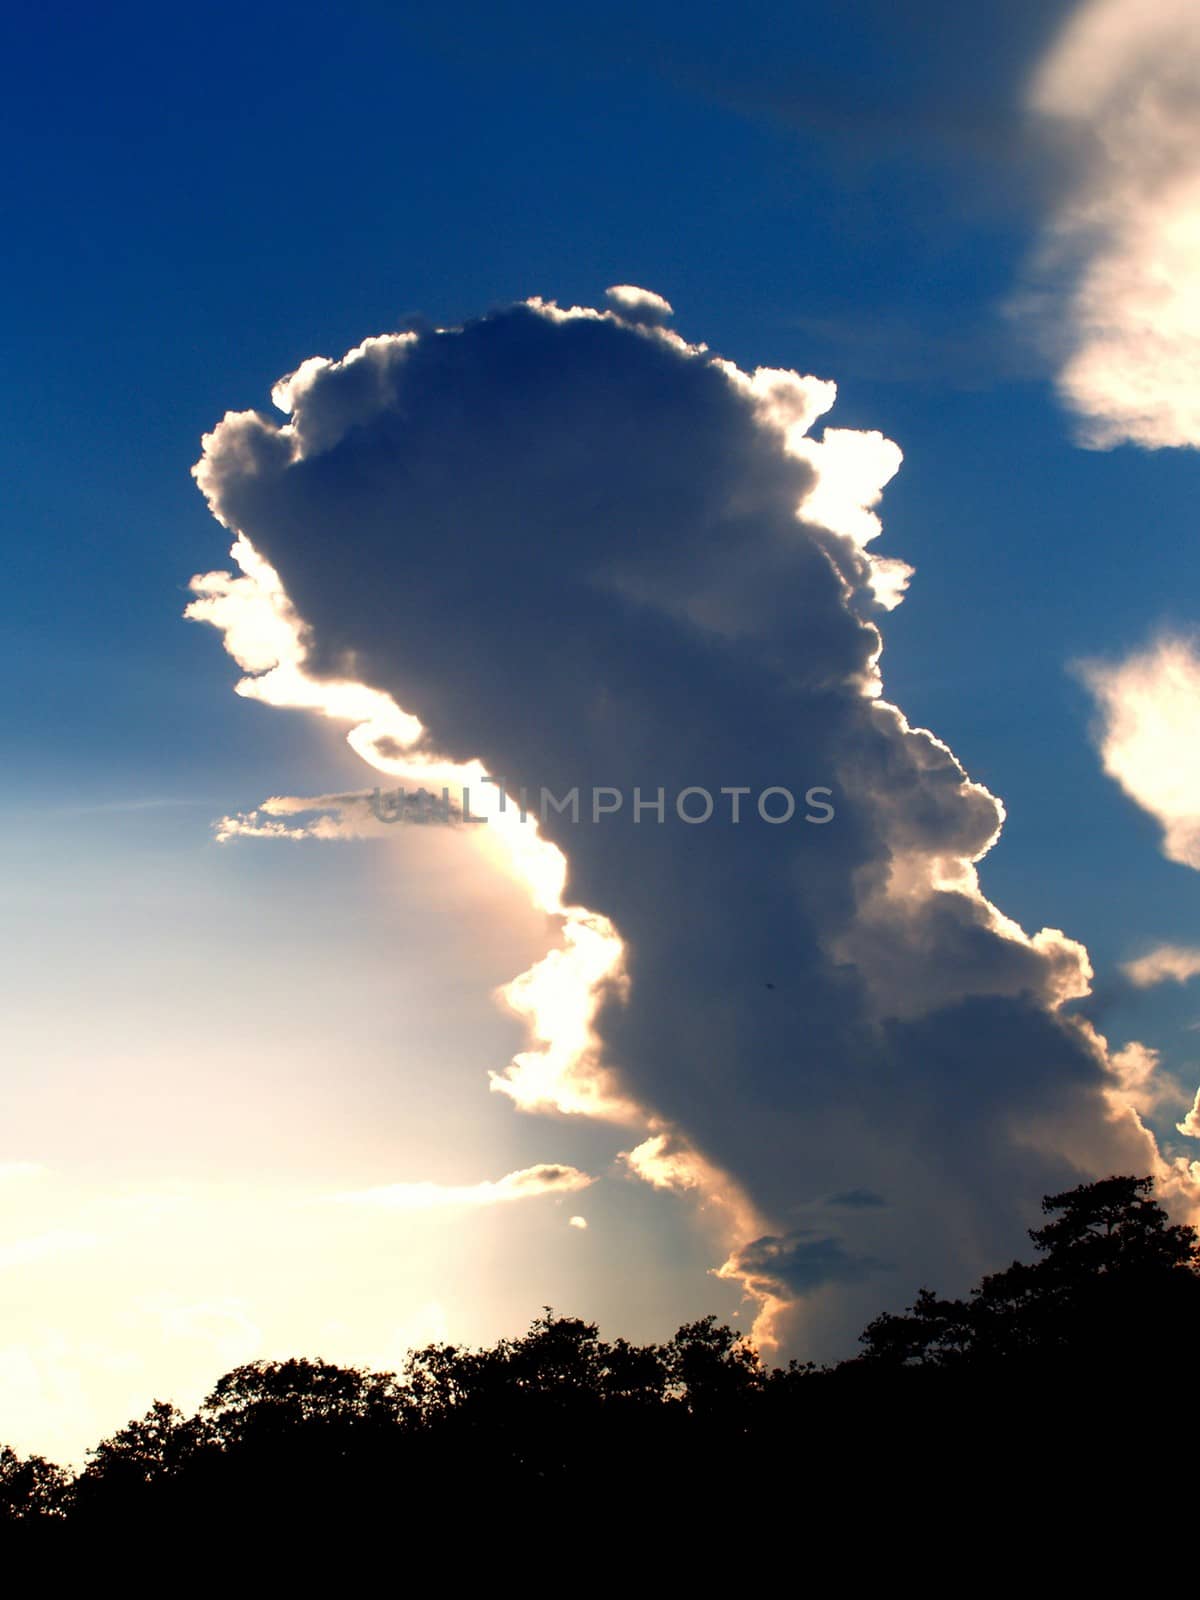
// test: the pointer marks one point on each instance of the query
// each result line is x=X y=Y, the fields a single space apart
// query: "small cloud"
x=363 y=814
x=857 y=1199
x=521 y=1185
x=1176 y=962
x=1149 y=735
x=577 y=1222
x=639 y=305
x=1190 y=1126
x=1140 y=1081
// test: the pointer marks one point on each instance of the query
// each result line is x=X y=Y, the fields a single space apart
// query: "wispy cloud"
x=1177 y=962
x=525 y=1184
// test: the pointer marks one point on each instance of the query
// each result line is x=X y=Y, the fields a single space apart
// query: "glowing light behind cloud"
x=182 y=1280
x=918 y=934
x=667 y=1161
x=639 y=304
x=262 y=632
x=559 y=996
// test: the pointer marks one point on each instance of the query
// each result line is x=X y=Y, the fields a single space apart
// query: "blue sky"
x=198 y=202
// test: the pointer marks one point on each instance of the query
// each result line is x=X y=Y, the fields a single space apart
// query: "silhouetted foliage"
x=30 y=1489
x=1114 y=1279
x=560 y=1425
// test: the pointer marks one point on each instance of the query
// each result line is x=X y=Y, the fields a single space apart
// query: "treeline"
x=1046 y=1363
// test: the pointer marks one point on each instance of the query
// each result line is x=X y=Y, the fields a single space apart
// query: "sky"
x=264 y=1095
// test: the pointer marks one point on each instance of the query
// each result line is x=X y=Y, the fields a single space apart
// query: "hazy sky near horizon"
x=244 y=1085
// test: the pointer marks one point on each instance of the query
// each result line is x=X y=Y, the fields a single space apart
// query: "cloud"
x=578 y=550
x=1141 y=1082
x=1117 y=283
x=1149 y=736
x=558 y=997
x=801 y=1260
x=262 y=632
x=666 y=1160
x=1179 y=963
x=577 y=1222
x=366 y=814
x=526 y=1184
x=856 y=1198
x=639 y=305
x=1190 y=1126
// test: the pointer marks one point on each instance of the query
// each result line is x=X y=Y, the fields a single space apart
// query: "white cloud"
x=365 y=814
x=1177 y=962
x=639 y=305
x=525 y=1184
x=1149 y=736
x=1118 y=279
x=1142 y=1084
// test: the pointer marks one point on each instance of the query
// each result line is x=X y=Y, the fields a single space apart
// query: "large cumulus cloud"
x=581 y=552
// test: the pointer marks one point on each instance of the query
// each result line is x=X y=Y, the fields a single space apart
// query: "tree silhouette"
x=31 y=1488
x=1041 y=1358
x=1115 y=1279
